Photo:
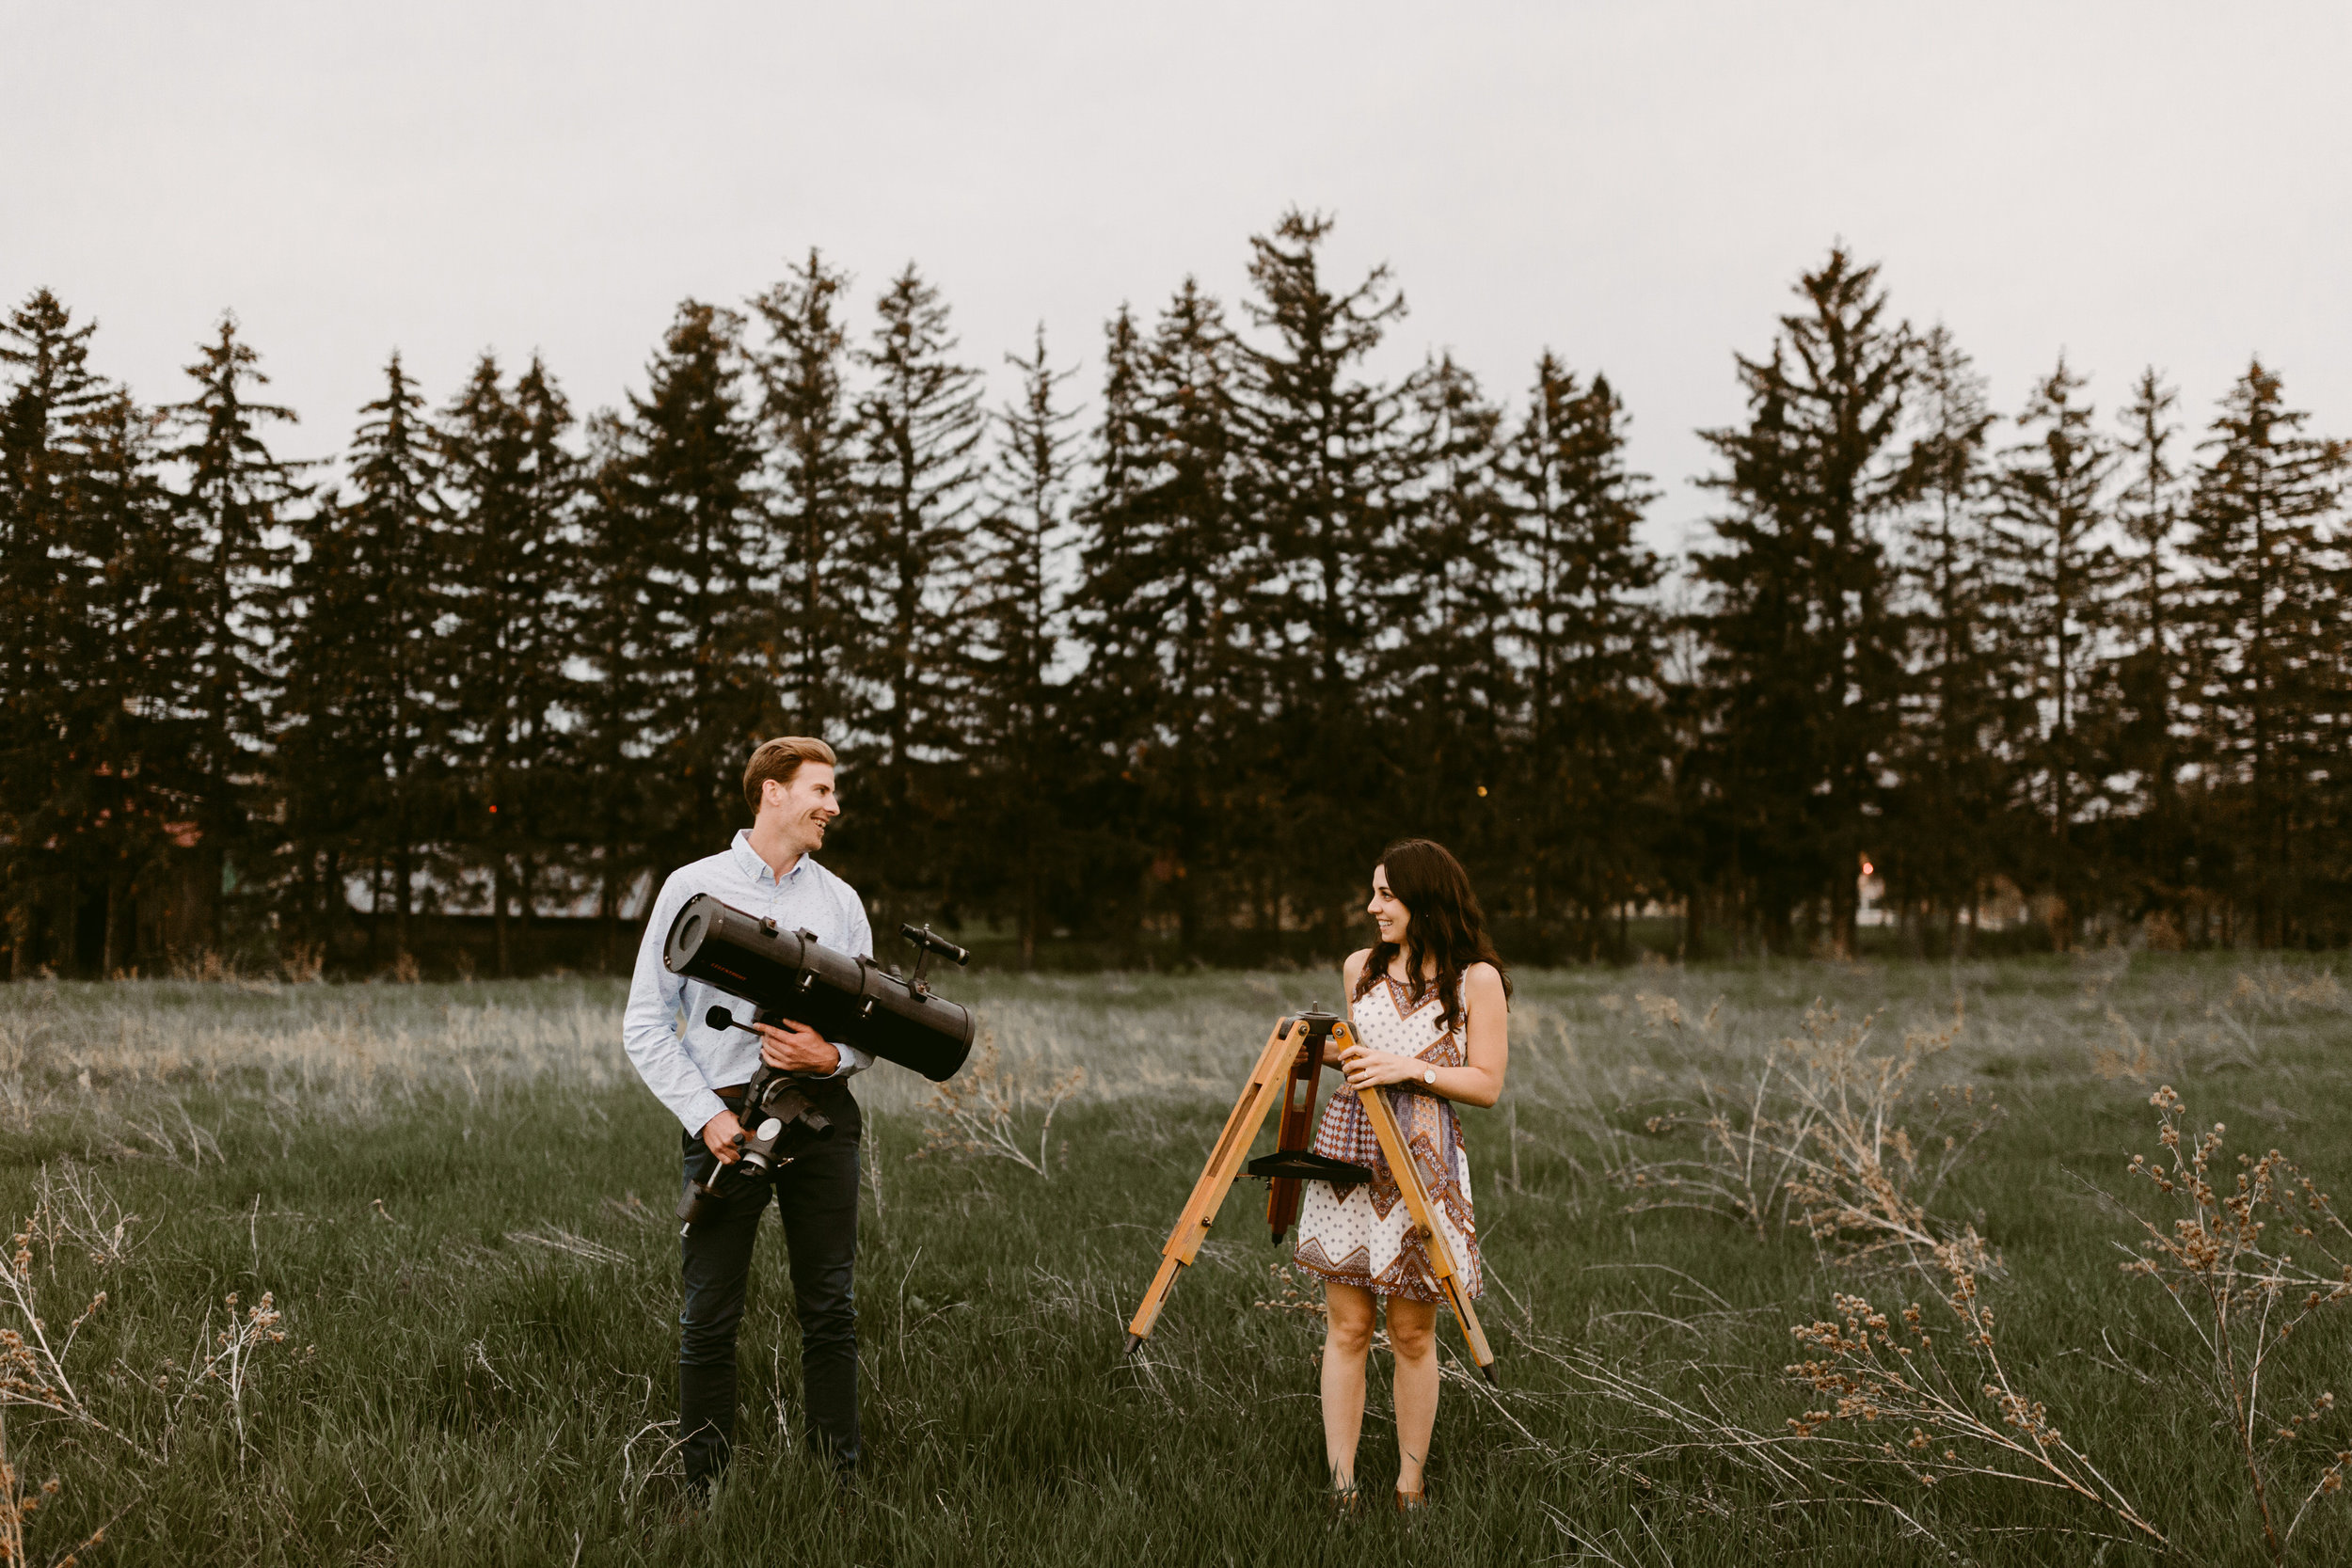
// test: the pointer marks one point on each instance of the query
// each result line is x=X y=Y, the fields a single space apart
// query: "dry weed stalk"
x=972 y=1114
x=1875 y=1370
x=33 y=1362
x=1803 y=1470
x=303 y=963
x=2278 y=990
x=1821 y=1138
x=1807 y=1466
x=554 y=1237
x=1817 y=1139
x=73 y=1208
x=227 y=1358
x=19 y=1503
x=206 y=968
x=2244 y=1295
x=1292 y=1299
x=2129 y=1057
x=153 y=1125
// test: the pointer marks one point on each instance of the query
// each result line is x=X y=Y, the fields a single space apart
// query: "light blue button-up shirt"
x=685 y=1069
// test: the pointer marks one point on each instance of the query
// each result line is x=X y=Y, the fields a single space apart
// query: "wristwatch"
x=1429 y=1076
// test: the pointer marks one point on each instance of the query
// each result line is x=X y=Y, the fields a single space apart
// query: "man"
x=700 y=1073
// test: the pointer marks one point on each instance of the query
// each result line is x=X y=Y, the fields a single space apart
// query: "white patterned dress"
x=1362 y=1235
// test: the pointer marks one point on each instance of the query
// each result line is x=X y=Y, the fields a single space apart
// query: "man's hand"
x=797 y=1048
x=723 y=1137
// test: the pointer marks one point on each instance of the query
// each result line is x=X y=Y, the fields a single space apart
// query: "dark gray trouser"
x=817 y=1194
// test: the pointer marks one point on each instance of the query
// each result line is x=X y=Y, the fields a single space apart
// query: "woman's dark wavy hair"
x=1446 y=924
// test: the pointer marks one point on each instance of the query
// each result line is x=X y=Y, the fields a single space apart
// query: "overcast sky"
x=1634 y=185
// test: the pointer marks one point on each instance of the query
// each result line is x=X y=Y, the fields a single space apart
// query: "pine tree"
x=1120 y=440
x=1808 y=657
x=1328 y=468
x=513 y=489
x=2258 y=525
x=2148 y=671
x=41 y=457
x=79 y=512
x=236 y=501
x=124 y=724
x=2057 y=578
x=1113 y=651
x=1451 y=673
x=1590 y=630
x=921 y=426
x=1019 y=752
x=1175 y=682
x=811 y=427
x=326 y=729
x=686 y=526
x=1120 y=448
x=1321 y=440
x=390 y=518
x=612 y=806
x=1951 y=798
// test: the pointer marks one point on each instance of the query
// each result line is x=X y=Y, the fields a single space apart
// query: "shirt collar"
x=758 y=870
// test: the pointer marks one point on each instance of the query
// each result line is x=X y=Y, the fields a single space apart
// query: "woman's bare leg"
x=1413 y=1336
x=1347 y=1343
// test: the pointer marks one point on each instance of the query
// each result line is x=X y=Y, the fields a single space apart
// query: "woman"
x=1431 y=1008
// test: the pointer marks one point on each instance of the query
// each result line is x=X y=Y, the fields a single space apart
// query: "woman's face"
x=1387 y=911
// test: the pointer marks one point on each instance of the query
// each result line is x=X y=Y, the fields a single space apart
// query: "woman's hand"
x=1366 y=1068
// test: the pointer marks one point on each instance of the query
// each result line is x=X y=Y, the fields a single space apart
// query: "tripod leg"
x=1294 y=1131
x=1259 y=1097
x=1153 y=1299
x=1416 y=1193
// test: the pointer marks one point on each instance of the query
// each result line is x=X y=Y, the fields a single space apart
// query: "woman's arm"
x=1487 y=1028
x=1350 y=972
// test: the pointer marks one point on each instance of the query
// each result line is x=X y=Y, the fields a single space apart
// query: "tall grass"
x=443 y=1212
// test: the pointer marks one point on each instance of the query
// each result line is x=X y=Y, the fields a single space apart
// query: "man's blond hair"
x=780 y=759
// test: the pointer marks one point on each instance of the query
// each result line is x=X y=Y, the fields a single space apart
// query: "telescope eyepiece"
x=929 y=941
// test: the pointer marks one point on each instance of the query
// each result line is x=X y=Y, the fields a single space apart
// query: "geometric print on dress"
x=1408 y=1025
x=1430 y=1126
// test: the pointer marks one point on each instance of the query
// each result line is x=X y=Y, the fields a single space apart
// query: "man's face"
x=804 y=808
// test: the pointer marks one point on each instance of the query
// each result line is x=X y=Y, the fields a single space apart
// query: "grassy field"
x=457 y=1199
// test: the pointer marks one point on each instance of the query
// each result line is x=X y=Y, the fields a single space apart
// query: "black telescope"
x=854 y=1000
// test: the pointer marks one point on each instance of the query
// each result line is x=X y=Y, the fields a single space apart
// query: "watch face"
x=1430 y=1076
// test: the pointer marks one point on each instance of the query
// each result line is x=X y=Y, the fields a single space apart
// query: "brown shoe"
x=1412 y=1502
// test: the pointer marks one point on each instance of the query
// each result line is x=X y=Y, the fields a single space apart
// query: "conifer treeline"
x=1162 y=671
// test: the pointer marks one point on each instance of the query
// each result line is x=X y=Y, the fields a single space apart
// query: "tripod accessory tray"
x=1302 y=1164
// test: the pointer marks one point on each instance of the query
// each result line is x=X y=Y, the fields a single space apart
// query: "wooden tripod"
x=1295 y=1051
